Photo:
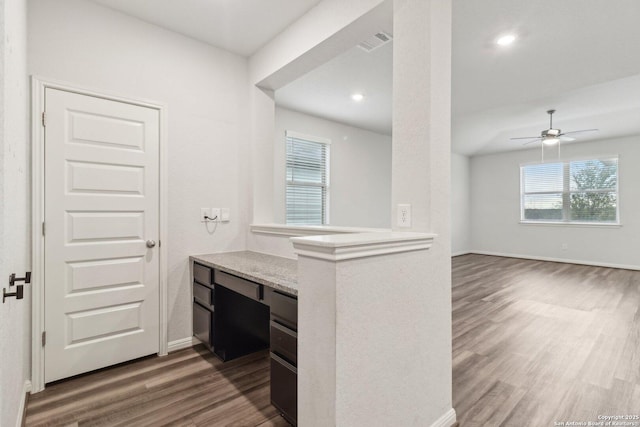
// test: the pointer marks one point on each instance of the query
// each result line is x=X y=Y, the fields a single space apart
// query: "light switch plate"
x=224 y=214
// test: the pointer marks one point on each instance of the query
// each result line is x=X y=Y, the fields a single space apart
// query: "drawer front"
x=284 y=388
x=284 y=342
x=202 y=274
x=203 y=324
x=236 y=284
x=284 y=309
x=204 y=295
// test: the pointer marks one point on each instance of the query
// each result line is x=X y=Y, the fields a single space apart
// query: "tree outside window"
x=584 y=191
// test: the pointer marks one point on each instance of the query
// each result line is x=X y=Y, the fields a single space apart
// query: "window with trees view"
x=582 y=191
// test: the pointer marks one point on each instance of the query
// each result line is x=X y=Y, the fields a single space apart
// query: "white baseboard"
x=446 y=420
x=552 y=259
x=26 y=388
x=461 y=253
x=180 y=344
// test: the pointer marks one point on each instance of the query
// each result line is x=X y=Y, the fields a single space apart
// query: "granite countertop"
x=269 y=270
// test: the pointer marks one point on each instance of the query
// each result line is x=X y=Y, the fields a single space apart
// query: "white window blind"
x=307 y=179
x=581 y=191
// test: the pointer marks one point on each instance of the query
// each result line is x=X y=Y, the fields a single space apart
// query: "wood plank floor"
x=189 y=387
x=533 y=343
x=536 y=343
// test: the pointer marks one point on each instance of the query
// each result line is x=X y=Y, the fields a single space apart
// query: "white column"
x=370 y=332
x=374 y=339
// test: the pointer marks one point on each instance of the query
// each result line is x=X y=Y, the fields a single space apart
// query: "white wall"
x=420 y=175
x=460 y=204
x=15 y=234
x=206 y=92
x=495 y=209
x=325 y=31
x=360 y=177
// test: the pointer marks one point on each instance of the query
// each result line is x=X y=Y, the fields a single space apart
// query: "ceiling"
x=577 y=56
x=565 y=53
x=239 y=26
x=326 y=91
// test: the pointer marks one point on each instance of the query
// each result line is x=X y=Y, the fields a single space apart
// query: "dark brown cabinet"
x=202 y=324
x=284 y=354
x=284 y=388
x=234 y=316
x=203 y=305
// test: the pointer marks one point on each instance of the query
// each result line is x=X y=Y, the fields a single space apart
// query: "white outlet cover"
x=204 y=212
x=215 y=213
x=404 y=215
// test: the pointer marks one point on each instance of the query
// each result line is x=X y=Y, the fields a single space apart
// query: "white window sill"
x=574 y=224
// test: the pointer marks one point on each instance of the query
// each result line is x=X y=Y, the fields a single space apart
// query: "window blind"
x=583 y=191
x=307 y=179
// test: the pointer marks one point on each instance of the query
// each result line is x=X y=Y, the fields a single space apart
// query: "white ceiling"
x=565 y=52
x=612 y=107
x=577 y=56
x=240 y=26
x=326 y=91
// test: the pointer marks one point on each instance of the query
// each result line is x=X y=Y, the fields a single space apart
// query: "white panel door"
x=101 y=208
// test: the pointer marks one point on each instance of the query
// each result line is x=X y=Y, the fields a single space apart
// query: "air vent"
x=375 y=41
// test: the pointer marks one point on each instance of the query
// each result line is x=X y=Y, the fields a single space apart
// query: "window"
x=583 y=191
x=307 y=179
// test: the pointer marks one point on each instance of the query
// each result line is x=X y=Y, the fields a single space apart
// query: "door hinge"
x=44 y=119
x=43 y=228
x=44 y=338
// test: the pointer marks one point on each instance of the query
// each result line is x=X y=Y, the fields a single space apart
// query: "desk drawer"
x=236 y=284
x=284 y=388
x=284 y=309
x=284 y=342
x=203 y=324
x=202 y=274
x=204 y=295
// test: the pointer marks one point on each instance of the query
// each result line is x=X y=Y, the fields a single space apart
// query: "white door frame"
x=38 y=86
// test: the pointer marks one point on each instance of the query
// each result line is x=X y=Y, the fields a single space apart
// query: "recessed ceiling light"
x=506 y=40
x=357 y=97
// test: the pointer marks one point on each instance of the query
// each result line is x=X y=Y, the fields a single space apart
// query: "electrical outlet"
x=404 y=215
x=215 y=214
x=565 y=246
x=204 y=212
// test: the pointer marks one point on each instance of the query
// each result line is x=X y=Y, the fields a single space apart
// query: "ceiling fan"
x=552 y=136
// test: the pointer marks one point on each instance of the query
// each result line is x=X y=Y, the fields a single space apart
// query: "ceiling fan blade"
x=525 y=137
x=532 y=141
x=573 y=132
x=566 y=138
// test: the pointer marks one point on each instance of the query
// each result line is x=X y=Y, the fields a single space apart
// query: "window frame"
x=566 y=193
x=327 y=186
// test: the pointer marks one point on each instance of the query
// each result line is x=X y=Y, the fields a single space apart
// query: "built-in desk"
x=247 y=301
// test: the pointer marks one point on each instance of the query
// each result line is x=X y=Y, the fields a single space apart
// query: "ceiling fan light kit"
x=552 y=136
x=506 y=39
